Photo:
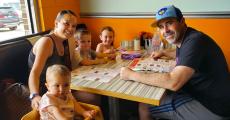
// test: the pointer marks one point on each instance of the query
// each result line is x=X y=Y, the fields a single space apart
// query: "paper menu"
x=149 y=64
x=98 y=74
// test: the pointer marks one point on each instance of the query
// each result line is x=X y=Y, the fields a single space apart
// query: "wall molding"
x=151 y=15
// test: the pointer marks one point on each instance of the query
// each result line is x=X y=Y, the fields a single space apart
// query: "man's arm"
x=167 y=53
x=172 y=81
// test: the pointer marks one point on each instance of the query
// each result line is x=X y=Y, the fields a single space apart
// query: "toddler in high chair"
x=58 y=103
x=107 y=38
x=85 y=54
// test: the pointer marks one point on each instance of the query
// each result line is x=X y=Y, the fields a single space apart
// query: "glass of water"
x=156 y=42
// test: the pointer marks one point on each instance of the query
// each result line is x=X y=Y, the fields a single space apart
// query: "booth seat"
x=14 y=73
x=14 y=57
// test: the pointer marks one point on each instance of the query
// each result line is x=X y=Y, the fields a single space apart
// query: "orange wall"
x=127 y=29
x=49 y=8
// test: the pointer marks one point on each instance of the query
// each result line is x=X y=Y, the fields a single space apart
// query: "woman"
x=49 y=50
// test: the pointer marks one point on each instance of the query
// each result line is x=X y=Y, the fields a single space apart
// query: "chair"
x=34 y=115
x=99 y=115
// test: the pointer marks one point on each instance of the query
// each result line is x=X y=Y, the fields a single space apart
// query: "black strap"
x=67 y=54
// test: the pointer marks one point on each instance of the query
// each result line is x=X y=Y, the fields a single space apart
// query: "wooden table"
x=118 y=88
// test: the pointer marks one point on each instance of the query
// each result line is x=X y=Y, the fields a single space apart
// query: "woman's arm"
x=42 y=50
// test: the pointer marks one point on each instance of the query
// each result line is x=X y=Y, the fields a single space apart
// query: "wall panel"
x=127 y=29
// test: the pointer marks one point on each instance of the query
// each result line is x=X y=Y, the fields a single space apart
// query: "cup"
x=148 y=45
x=137 y=45
x=130 y=45
x=124 y=45
x=156 y=42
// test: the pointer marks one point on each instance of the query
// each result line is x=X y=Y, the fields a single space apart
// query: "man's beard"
x=171 y=40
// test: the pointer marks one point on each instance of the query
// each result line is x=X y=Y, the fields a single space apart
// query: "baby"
x=107 y=38
x=58 y=103
x=85 y=54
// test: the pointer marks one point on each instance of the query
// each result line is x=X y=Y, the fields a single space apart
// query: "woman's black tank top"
x=53 y=59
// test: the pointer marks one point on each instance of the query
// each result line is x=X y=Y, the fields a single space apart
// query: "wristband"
x=33 y=95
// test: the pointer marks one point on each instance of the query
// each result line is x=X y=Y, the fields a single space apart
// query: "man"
x=199 y=85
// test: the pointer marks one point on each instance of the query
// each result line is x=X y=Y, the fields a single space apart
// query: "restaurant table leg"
x=114 y=108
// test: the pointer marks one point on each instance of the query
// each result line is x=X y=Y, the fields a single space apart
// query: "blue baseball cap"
x=167 y=12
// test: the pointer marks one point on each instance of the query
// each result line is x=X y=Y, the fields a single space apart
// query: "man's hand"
x=157 y=54
x=125 y=73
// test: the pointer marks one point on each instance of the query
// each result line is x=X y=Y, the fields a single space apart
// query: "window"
x=15 y=19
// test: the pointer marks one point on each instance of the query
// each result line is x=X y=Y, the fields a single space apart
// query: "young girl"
x=85 y=54
x=107 y=38
x=58 y=103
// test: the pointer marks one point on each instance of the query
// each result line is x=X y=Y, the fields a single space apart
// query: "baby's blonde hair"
x=58 y=69
x=80 y=33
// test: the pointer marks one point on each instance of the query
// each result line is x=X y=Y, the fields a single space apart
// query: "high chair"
x=34 y=114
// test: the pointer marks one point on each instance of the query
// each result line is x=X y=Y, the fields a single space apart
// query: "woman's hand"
x=35 y=102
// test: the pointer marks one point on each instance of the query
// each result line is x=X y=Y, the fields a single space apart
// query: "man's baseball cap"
x=167 y=12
